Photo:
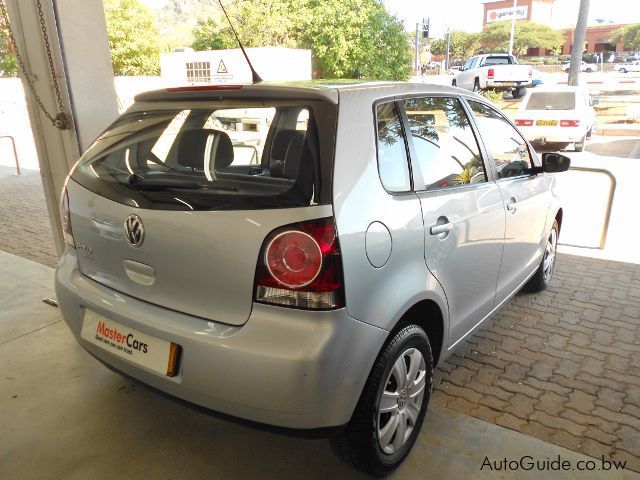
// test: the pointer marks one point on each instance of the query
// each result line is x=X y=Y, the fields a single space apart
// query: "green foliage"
x=462 y=45
x=133 y=38
x=492 y=95
x=528 y=35
x=629 y=36
x=349 y=38
x=8 y=62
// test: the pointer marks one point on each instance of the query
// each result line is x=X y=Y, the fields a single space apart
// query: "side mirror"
x=555 y=163
x=595 y=102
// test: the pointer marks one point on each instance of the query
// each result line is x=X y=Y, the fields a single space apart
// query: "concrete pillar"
x=78 y=40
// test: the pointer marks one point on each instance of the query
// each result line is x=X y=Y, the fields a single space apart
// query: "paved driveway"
x=25 y=229
x=562 y=366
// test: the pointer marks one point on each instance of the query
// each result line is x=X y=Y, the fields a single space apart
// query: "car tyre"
x=367 y=443
x=476 y=85
x=623 y=70
x=519 y=92
x=579 y=146
x=454 y=83
x=544 y=274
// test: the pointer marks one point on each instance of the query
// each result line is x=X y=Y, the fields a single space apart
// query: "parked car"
x=584 y=67
x=558 y=115
x=497 y=71
x=455 y=69
x=628 y=67
x=319 y=289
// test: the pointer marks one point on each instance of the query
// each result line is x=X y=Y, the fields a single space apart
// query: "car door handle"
x=512 y=206
x=442 y=228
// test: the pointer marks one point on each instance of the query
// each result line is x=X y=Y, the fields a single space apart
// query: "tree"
x=258 y=23
x=629 y=36
x=527 y=35
x=133 y=38
x=352 y=38
x=462 y=45
x=8 y=62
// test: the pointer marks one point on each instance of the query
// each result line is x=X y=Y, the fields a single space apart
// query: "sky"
x=467 y=14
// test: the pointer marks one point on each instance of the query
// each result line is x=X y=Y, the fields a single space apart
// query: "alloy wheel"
x=401 y=400
x=550 y=256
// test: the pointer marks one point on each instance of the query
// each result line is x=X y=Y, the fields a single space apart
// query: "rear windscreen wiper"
x=141 y=183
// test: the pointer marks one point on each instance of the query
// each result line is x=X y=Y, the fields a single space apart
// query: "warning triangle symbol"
x=221 y=67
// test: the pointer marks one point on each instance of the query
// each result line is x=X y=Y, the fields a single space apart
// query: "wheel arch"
x=558 y=218
x=428 y=315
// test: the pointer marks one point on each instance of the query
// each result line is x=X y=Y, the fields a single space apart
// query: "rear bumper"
x=507 y=85
x=553 y=135
x=284 y=367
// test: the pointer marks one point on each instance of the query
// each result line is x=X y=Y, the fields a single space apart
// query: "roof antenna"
x=255 y=78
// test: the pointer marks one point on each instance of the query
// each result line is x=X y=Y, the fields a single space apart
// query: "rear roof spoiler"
x=259 y=91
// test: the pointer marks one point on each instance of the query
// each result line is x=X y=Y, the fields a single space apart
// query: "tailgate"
x=199 y=263
x=511 y=73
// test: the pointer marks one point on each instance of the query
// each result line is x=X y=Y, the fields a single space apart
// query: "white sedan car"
x=557 y=115
x=628 y=67
x=584 y=67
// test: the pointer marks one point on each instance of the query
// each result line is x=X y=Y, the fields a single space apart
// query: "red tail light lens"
x=569 y=123
x=65 y=219
x=491 y=73
x=524 y=123
x=300 y=266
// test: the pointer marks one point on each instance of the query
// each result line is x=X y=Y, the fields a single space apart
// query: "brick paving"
x=25 y=229
x=562 y=366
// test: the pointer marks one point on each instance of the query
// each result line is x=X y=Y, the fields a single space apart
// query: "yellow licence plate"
x=509 y=84
x=546 y=123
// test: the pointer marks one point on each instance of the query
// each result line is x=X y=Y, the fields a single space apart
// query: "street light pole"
x=415 y=66
x=446 y=61
x=513 y=26
x=578 y=43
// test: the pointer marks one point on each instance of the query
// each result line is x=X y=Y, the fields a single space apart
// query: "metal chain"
x=60 y=120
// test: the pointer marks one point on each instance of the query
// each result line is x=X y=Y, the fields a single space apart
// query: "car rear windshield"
x=498 y=61
x=227 y=157
x=552 y=101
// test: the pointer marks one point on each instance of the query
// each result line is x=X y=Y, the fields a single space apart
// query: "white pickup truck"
x=497 y=71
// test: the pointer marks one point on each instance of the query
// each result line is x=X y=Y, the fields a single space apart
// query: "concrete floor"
x=63 y=415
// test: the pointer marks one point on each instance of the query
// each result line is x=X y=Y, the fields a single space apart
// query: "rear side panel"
x=378 y=295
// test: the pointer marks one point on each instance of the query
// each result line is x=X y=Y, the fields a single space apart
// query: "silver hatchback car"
x=303 y=255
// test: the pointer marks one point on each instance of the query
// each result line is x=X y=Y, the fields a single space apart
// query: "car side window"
x=445 y=147
x=392 y=152
x=510 y=152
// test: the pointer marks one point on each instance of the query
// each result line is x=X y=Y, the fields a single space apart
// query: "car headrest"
x=193 y=147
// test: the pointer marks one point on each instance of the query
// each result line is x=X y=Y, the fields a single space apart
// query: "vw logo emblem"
x=134 y=230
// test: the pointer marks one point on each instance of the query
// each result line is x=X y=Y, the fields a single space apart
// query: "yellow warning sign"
x=221 y=67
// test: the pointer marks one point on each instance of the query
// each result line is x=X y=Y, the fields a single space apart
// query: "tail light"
x=524 y=123
x=300 y=266
x=569 y=123
x=530 y=72
x=491 y=73
x=65 y=219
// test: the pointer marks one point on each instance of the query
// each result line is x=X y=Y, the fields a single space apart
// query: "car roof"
x=327 y=90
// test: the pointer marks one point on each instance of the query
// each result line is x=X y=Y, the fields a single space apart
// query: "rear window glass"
x=497 y=61
x=245 y=157
x=551 y=101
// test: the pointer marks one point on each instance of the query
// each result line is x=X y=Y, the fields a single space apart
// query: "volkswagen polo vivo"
x=303 y=256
